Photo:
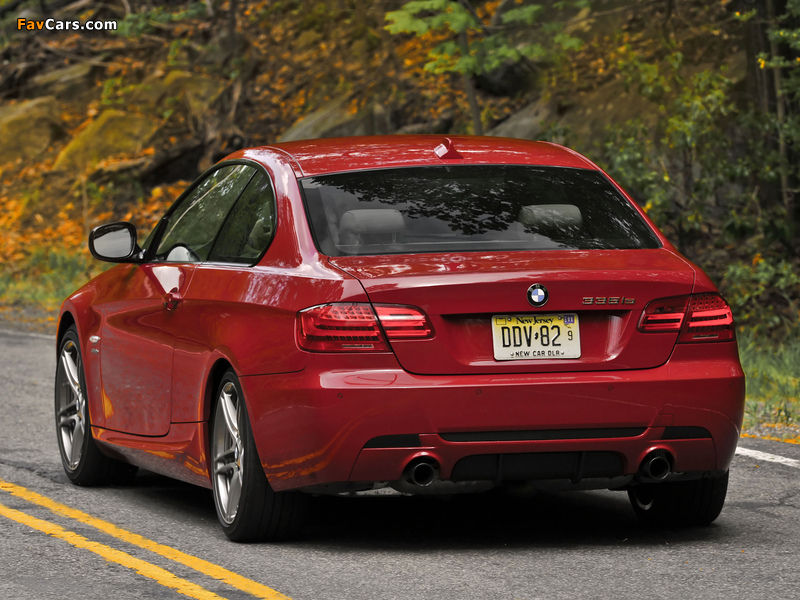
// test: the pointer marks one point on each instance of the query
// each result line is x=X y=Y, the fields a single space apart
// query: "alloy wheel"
x=71 y=405
x=228 y=452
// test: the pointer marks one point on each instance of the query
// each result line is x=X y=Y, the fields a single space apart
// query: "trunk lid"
x=462 y=293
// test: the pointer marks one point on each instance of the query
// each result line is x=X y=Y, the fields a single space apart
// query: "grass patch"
x=45 y=277
x=773 y=380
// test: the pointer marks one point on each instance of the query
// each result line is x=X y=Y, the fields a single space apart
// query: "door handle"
x=172 y=299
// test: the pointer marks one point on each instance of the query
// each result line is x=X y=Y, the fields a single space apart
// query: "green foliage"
x=317 y=16
x=709 y=173
x=46 y=277
x=649 y=78
x=684 y=174
x=698 y=110
x=176 y=48
x=764 y=296
x=557 y=133
x=471 y=47
x=783 y=64
x=137 y=23
x=632 y=160
x=525 y=15
x=115 y=91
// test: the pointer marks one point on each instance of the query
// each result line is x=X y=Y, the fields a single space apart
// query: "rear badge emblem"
x=537 y=295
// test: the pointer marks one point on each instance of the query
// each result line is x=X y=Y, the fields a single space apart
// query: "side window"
x=193 y=226
x=249 y=227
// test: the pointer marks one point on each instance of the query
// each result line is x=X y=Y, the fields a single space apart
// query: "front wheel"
x=680 y=503
x=247 y=507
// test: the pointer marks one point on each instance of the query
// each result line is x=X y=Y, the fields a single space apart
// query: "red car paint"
x=150 y=385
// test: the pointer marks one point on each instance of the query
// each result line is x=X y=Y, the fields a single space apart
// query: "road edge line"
x=775 y=458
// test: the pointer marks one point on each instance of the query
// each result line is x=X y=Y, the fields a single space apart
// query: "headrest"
x=372 y=220
x=551 y=216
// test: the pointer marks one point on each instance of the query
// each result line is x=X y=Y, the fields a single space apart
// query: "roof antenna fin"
x=447 y=150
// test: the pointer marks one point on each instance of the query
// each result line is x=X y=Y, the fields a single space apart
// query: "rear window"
x=470 y=208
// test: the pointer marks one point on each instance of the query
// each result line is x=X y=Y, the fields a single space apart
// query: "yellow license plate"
x=530 y=337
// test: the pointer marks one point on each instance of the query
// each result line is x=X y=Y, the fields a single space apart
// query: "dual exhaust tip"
x=424 y=471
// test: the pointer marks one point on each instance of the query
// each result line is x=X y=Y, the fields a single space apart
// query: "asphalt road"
x=156 y=538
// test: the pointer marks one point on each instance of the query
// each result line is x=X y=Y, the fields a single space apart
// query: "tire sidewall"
x=256 y=493
x=683 y=503
x=79 y=472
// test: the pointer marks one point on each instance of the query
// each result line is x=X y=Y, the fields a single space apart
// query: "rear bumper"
x=318 y=426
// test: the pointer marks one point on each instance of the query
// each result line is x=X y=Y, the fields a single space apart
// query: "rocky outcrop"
x=67 y=83
x=113 y=133
x=591 y=113
x=336 y=120
x=442 y=124
x=27 y=129
x=529 y=122
x=198 y=91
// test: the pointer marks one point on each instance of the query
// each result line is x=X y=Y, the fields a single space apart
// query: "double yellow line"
x=144 y=568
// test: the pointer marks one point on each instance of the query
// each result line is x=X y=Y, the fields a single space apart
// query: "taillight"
x=709 y=319
x=666 y=314
x=698 y=318
x=404 y=322
x=355 y=327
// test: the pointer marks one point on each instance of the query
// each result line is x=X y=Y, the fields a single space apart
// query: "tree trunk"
x=232 y=24
x=780 y=114
x=469 y=88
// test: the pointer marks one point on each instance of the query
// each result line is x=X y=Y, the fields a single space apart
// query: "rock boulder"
x=29 y=128
x=112 y=133
x=336 y=120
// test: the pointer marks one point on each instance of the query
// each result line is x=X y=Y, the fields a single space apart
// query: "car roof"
x=335 y=155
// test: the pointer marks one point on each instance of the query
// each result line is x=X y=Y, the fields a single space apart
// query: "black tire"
x=247 y=507
x=680 y=503
x=83 y=462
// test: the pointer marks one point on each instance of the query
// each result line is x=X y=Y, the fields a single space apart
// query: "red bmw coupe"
x=432 y=314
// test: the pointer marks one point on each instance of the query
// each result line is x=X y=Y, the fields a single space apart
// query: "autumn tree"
x=476 y=41
x=774 y=53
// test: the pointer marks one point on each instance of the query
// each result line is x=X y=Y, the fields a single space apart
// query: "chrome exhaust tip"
x=655 y=466
x=422 y=472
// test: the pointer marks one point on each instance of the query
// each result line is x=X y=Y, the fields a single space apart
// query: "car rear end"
x=521 y=323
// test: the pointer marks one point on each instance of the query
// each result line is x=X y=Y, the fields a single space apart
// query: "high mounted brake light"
x=698 y=318
x=357 y=327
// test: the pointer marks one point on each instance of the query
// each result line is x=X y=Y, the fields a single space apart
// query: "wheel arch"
x=91 y=375
x=214 y=378
x=215 y=373
x=65 y=322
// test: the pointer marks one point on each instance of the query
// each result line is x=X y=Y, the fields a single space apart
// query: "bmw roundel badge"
x=537 y=295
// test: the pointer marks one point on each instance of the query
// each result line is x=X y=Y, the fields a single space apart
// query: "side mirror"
x=114 y=242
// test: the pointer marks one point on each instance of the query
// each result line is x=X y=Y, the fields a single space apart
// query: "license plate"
x=528 y=337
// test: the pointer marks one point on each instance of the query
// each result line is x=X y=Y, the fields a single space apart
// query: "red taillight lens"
x=355 y=327
x=341 y=328
x=698 y=318
x=666 y=314
x=709 y=320
x=404 y=322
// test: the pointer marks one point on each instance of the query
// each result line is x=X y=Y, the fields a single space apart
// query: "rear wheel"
x=83 y=462
x=248 y=508
x=696 y=502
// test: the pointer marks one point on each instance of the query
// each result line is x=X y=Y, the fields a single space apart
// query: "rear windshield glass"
x=470 y=208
